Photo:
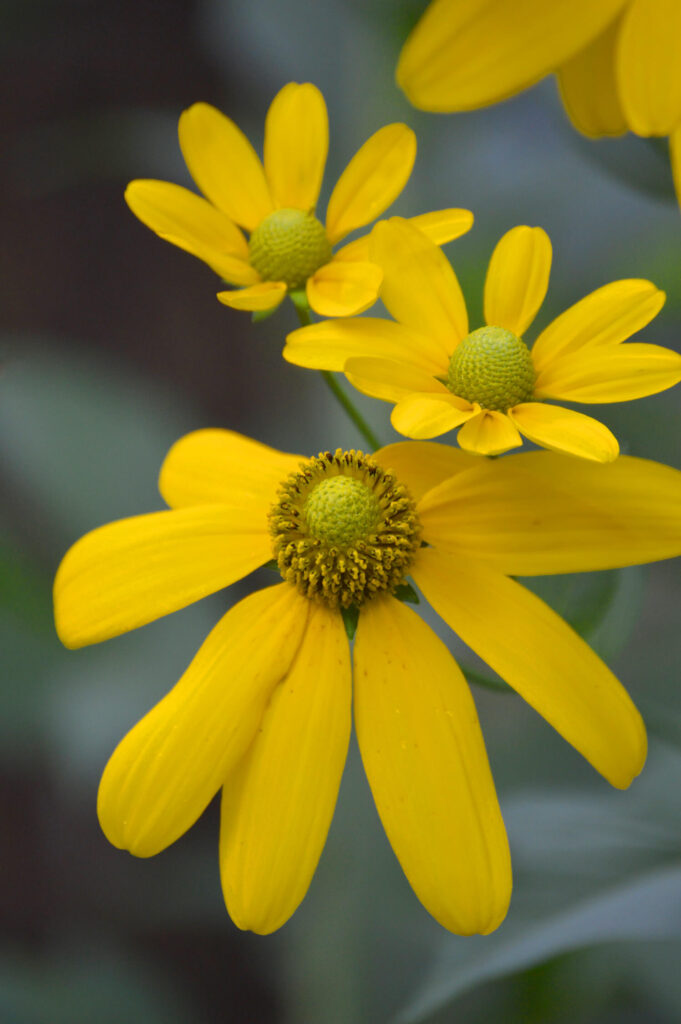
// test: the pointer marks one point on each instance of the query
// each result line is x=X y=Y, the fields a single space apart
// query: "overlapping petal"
x=588 y=86
x=422 y=416
x=388 y=379
x=648 y=66
x=341 y=288
x=489 y=433
x=328 y=345
x=564 y=430
x=612 y=374
x=440 y=226
x=257 y=298
x=517 y=278
x=422 y=465
x=296 y=145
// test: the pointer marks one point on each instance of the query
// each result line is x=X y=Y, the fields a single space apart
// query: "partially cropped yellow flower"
x=263 y=711
x=618 y=61
x=441 y=376
x=289 y=249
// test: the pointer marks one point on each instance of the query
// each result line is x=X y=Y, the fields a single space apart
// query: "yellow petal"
x=266 y=295
x=564 y=430
x=462 y=56
x=675 y=153
x=489 y=433
x=389 y=380
x=649 y=66
x=340 y=288
x=541 y=657
x=588 y=87
x=135 y=570
x=610 y=374
x=517 y=278
x=222 y=467
x=327 y=346
x=440 y=226
x=373 y=179
x=540 y=513
x=171 y=764
x=224 y=165
x=278 y=804
x=421 y=465
x=296 y=144
x=607 y=316
x=419 y=288
x=428 y=415
x=425 y=759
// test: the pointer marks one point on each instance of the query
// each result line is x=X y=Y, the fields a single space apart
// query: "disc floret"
x=289 y=245
x=493 y=367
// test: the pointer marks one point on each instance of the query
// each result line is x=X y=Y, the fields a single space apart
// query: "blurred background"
x=112 y=345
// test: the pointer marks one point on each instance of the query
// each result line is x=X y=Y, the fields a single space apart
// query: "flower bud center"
x=492 y=367
x=289 y=245
x=340 y=510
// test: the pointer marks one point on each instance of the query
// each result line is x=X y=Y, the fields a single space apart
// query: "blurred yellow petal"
x=489 y=433
x=296 y=144
x=341 y=288
x=649 y=66
x=372 y=180
x=278 y=804
x=540 y=513
x=419 y=288
x=588 y=87
x=224 y=165
x=164 y=773
x=564 y=430
x=133 y=571
x=517 y=278
x=428 y=415
x=388 y=379
x=328 y=345
x=425 y=759
x=421 y=465
x=259 y=297
x=440 y=226
x=466 y=55
x=607 y=316
x=614 y=374
x=222 y=467
x=541 y=657
x=675 y=153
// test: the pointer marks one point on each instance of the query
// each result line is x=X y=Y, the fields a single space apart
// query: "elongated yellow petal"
x=388 y=379
x=428 y=415
x=649 y=66
x=541 y=657
x=259 y=297
x=341 y=288
x=171 y=764
x=373 y=179
x=540 y=513
x=613 y=374
x=421 y=465
x=564 y=430
x=327 y=346
x=296 y=144
x=222 y=467
x=517 y=278
x=607 y=316
x=425 y=759
x=489 y=433
x=440 y=226
x=419 y=289
x=224 y=165
x=466 y=55
x=135 y=570
x=589 y=89
x=278 y=804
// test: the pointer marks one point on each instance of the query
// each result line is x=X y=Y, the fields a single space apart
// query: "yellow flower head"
x=263 y=711
x=488 y=381
x=289 y=248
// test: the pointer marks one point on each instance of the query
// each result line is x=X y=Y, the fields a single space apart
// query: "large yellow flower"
x=263 y=711
x=442 y=376
x=618 y=61
x=289 y=249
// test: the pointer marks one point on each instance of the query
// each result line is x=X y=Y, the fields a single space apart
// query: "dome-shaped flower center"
x=493 y=367
x=343 y=529
x=289 y=245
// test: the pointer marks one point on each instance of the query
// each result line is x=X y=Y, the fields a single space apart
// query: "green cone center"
x=492 y=367
x=340 y=510
x=289 y=245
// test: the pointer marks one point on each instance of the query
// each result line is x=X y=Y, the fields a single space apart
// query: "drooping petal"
x=341 y=288
x=440 y=226
x=133 y=571
x=296 y=144
x=564 y=430
x=224 y=165
x=420 y=288
x=328 y=345
x=421 y=465
x=462 y=56
x=278 y=803
x=223 y=467
x=425 y=759
x=259 y=297
x=428 y=415
x=541 y=657
x=373 y=179
x=588 y=87
x=649 y=66
x=613 y=374
x=607 y=316
x=164 y=773
x=517 y=278
x=489 y=433
x=388 y=379
x=540 y=513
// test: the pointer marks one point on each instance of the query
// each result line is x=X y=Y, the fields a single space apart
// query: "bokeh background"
x=112 y=345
